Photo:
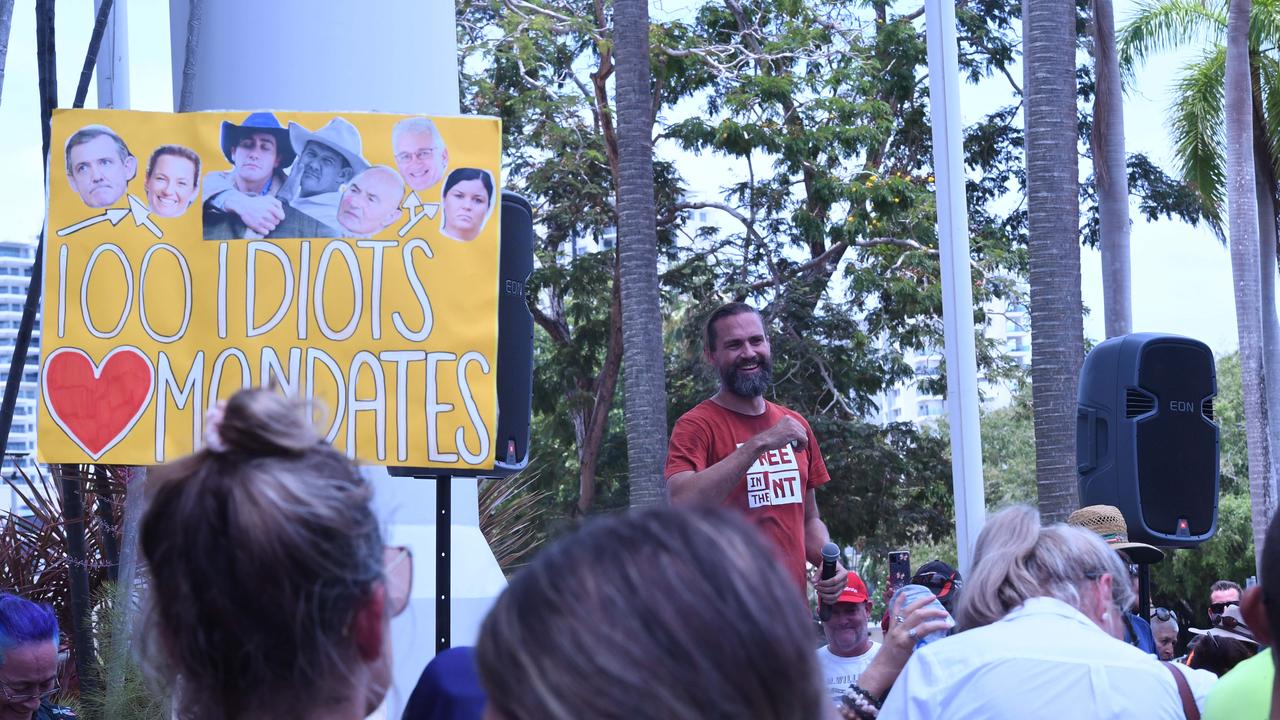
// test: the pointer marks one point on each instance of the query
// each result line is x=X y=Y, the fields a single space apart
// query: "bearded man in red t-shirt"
x=741 y=451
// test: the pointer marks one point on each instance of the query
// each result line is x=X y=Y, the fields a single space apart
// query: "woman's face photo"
x=465 y=207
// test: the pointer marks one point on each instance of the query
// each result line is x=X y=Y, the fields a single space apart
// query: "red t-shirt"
x=773 y=491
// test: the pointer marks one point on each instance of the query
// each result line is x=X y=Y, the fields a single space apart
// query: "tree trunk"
x=593 y=436
x=1053 y=212
x=1265 y=188
x=6 y=21
x=1242 y=231
x=644 y=391
x=1111 y=174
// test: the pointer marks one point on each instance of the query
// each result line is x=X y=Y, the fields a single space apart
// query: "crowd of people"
x=271 y=593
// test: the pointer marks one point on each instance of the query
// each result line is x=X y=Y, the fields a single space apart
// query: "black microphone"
x=830 y=554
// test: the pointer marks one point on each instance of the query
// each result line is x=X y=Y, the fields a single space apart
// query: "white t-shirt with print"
x=838 y=673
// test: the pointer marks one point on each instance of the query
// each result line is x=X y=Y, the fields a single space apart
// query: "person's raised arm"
x=713 y=484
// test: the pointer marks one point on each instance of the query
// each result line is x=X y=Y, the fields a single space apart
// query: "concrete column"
x=396 y=56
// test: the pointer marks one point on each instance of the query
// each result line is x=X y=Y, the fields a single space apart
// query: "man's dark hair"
x=1221 y=585
x=724 y=311
x=23 y=622
x=89 y=133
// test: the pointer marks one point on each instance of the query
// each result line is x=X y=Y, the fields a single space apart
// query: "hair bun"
x=266 y=423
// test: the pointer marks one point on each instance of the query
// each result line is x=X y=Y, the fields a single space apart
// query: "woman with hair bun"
x=1042 y=637
x=271 y=592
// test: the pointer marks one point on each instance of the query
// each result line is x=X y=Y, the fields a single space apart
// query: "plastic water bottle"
x=912 y=593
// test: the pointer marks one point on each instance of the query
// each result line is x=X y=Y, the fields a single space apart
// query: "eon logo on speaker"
x=1182 y=406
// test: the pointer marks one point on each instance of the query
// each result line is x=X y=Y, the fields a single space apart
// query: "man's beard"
x=750 y=385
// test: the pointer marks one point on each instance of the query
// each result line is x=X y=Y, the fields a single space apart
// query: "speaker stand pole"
x=444 y=504
x=1144 y=591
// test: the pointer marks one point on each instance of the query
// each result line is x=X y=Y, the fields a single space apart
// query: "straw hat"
x=1109 y=523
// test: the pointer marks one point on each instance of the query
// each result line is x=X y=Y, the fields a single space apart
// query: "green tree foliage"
x=1009 y=452
x=824 y=107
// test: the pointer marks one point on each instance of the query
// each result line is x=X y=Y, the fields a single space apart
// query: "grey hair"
x=417 y=126
x=1173 y=620
x=1016 y=559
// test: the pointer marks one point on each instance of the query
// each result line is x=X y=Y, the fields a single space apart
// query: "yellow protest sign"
x=350 y=258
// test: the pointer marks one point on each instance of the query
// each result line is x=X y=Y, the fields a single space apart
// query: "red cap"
x=855 y=591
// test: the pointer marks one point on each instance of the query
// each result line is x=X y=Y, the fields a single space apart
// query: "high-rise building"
x=16 y=257
x=910 y=401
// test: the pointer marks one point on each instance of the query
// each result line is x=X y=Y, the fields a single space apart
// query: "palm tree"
x=644 y=392
x=1053 y=212
x=6 y=21
x=1110 y=173
x=1242 y=229
x=1201 y=130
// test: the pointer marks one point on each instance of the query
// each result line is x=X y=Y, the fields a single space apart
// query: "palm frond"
x=1269 y=70
x=1264 y=25
x=511 y=515
x=1158 y=26
x=1197 y=127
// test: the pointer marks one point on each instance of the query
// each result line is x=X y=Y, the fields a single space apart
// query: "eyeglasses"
x=1220 y=607
x=421 y=156
x=1133 y=570
x=1163 y=614
x=29 y=691
x=397 y=568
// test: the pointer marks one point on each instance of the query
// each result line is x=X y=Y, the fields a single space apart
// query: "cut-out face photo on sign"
x=173 y=180
x=276 y=248
x=249 y=201
x=327 y=159
x=99 y=165
x=370 y=202
x=419 y=152
x=468 y=200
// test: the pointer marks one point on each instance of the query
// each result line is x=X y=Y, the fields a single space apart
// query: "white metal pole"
x=957 y=289
x=387 y=56
x=113 y=58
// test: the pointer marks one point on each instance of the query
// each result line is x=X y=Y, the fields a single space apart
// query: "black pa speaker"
x=1146 y=440
x=515 y=346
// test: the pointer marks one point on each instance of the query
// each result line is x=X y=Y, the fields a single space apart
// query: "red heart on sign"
x=97 y=405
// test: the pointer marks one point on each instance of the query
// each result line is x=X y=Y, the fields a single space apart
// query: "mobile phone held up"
x=899 y=569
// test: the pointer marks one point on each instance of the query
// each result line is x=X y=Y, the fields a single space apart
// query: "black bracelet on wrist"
x=863 y=704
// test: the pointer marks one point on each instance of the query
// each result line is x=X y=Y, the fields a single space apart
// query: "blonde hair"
x=259 y=554
x=663 y=614
x=1016 y=559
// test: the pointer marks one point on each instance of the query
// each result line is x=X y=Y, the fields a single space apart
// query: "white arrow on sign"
x=142 y=216
x=112 y=215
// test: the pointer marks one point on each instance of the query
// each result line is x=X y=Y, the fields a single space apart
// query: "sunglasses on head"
x=1163 y=614
x=1226 y=622
x=1220 y=607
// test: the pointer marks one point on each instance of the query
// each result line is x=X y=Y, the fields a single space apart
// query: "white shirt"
x=1043 y=660
x=838 y=673
x=322 y=207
